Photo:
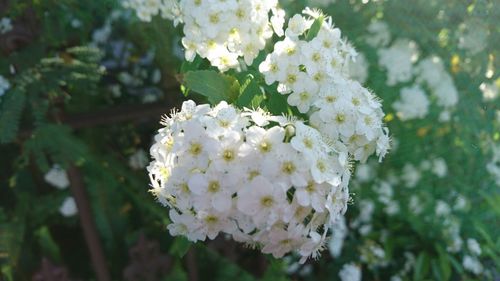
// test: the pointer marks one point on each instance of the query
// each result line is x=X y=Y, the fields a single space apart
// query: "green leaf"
x=275 y=271
x=47 y=243
x=191 y=65
x=444 y=263
x=213 y=85
x=177 y=273
x=180 y=247
x=421 y=267
x=10 y=115
x=250 y=93
x=315 y=27
x=277 y=104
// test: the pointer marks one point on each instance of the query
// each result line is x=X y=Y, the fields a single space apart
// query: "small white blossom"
x=68 y=207
x=439 y=167
x=5 y=25
x=473 y=265
x=398 y=60
x=379 y=34
x=350 y=272
x=4 y=85
x=473 y=246
x=138 y=160
x=57 y=177
x=413 y=104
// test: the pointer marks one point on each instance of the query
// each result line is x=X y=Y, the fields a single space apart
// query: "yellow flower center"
x=288 y=167
x=228 y=155
x=267 y=201
x=195 y=149
x=213 y=187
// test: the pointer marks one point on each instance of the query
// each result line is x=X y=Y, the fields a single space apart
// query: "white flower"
x=490 y=90
x=364 y=172
x=379 y=32
x=4 y=85
x=221 y=172
x=442 y=208
x=5 y=25
x=460 y=203
x=220 y=31
x=439 y=167
x=472 y=264
x=413 y=104
x=68 y=207
x=350 y=272
x=473 y=246
x=431 y=72
x=262 y=201
x=138 y=160
x=322 y=90
x=415 y=206
x=411 y=175
x=57 y=177
x=358 y=69
x=339 y=232
x=297 y=25
x=473 y=36
x=398 y=60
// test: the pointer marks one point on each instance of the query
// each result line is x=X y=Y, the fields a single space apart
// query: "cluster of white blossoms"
x=268 y=181
x=147 y=9
x=314 y=76
x=431 y=72
x=401 y=61
x=58 y=178
x=493 y=166
x=4 y=85
x=412 y=104
x=220 y=31
x=223 y=31
x=398 y=60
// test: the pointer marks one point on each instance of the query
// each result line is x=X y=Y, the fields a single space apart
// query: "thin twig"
x=89 y=229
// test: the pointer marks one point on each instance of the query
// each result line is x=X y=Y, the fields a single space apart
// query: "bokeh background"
x=83 y=85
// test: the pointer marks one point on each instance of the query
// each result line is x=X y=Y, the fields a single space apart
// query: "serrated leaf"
x=180 y=247
x=250 y=93
x=213 y=85
x=277 y=104
x=191 y=65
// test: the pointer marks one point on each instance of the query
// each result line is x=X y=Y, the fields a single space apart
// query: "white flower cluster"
x=412 y=104
x=493 y=167
x=58 y=178
x=431 y=72
x=379 y=34
x=398 y=60
x=490 y=91
x=313 y=75
x=267 y=181
x=4 y=85
x=147 y=9
x=5 y=25
x=224 y=31
x=350 y=272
